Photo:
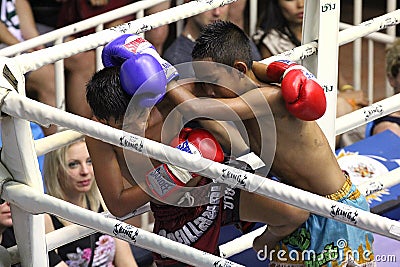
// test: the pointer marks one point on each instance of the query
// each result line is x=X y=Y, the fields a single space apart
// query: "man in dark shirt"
x=180 y=51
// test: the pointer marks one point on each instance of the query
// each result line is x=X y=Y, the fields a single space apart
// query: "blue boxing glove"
x=142 y=77
x=126 y=46
x=143 y=72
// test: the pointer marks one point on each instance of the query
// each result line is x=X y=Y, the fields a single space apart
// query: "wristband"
x=346 y=87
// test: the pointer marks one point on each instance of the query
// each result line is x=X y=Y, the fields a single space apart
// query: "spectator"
x=236 y=12
x=180 y=50
x=390 y=122
x=80 y=67
x=69 y=176
x=7 y=236
x=158 y=35
x=280 y=27
x=46 y=14
x=18 y=24
x=281 y=30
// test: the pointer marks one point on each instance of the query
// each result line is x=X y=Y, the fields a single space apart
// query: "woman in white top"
x=280 y=27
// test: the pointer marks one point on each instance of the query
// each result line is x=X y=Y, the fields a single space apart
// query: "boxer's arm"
x=227 y=135
x=119 y=201
x=247 y=106
x=26 y=19
x=260 y=70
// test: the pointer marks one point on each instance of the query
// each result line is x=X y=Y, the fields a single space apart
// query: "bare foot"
x=260 y=241
x=266 y=241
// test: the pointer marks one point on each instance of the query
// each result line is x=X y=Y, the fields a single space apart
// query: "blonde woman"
x=68 y=175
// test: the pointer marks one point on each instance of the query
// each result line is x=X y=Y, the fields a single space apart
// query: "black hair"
x=272 y=18
x=224 y=43
x=105 y=95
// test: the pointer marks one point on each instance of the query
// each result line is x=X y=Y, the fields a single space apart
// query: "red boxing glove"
x=197 y=142
x=304 y=97
x=166 y=178
x=200 y=141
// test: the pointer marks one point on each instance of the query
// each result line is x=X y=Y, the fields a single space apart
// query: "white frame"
x=19 y=161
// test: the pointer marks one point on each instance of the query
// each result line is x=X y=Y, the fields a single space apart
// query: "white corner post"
x=19 y=157
x=321 y=22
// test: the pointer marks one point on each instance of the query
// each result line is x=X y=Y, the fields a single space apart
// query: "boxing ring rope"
x=78 y=27
x=233 y=247
x=21 y=107
x=37 y=59
x=34 y=60
x=375 y=36
x=301 y=52
x=386 y=227
x=55 y=141
x=345 y=36
x=361 y=116
x=380 y=182
x=73 y=232
x=239 y=244
x=373 y=185
x=40 y=203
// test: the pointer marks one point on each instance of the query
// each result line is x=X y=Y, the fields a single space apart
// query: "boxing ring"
x=21 y=182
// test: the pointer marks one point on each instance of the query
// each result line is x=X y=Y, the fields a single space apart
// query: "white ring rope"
x=37 y=59
x=345 y=36
x=226 y=250
x=366 y=114
x=240 y=244
x=365 y=220
x=78 y=27
x=34 y=60
x=55 y=141
x=376 y=184
x=35 y=203
x=381 y=182
x=24 y=108
x=375 y=36
x=70 y=233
